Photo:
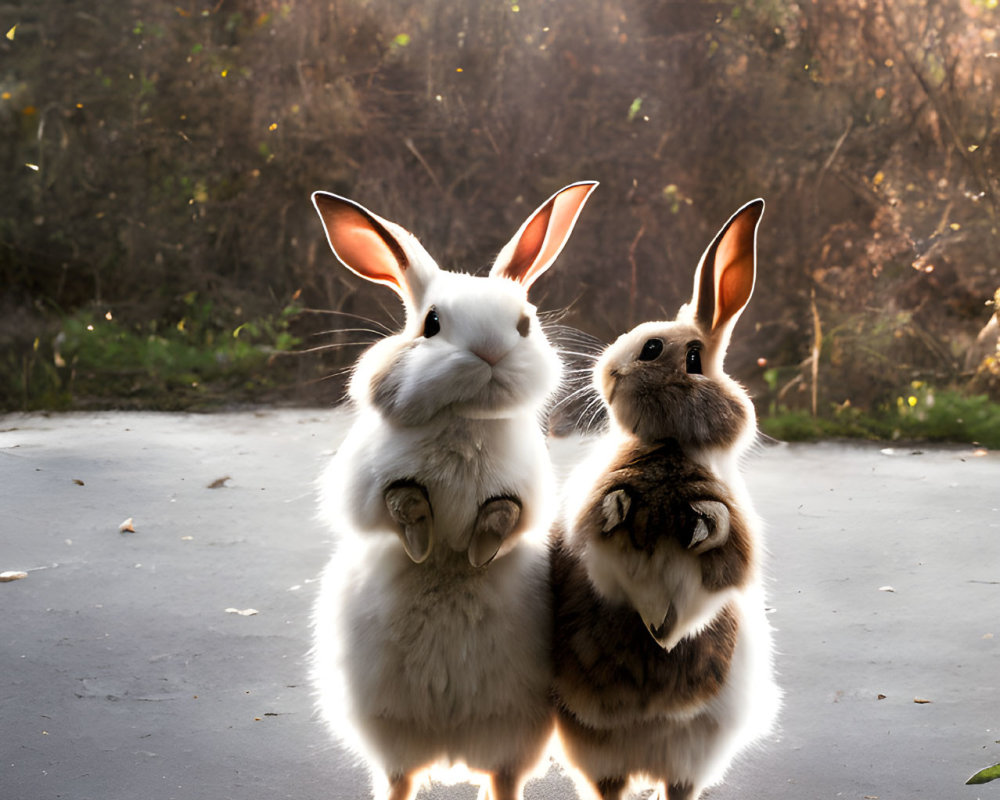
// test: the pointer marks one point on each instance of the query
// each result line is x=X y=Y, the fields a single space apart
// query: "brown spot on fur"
x=680 y=791
x=611 y=788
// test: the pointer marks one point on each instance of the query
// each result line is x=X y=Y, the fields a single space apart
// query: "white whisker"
x=361 y=318
x=332 y=346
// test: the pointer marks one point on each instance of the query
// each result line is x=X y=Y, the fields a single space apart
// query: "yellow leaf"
x=10 y=33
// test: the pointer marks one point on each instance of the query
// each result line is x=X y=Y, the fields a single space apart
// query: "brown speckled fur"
x=605 y=659
x=662 y=482
x=606 y=651
x=668 y=702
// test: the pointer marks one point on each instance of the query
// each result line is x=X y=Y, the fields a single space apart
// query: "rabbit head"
x=470 y=344
x=665 y=380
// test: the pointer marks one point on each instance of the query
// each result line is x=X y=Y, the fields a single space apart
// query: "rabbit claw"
x=496 y=520
x=615 y=505
x=711 y=529
x=410 y=507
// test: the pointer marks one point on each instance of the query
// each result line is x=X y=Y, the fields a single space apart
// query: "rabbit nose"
x=487 y=356
x=490 y=354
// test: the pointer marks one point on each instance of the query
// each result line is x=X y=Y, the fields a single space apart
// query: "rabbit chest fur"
x=439 y=661
x=627 y=703
x=460 y=461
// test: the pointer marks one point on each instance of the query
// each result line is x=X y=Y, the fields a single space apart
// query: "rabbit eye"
x=693 y=361
x=524 y=325
x=432 y=325
x=651 y=350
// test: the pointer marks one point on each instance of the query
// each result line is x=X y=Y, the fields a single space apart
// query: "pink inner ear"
x=528 y=246
x=546 y=234
x=363 y=245
x=734 y=259
x=735 y=287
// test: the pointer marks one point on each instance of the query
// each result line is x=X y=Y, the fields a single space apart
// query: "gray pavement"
x=123 y=675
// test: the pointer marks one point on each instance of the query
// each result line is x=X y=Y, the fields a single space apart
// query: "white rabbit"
x=661 y=649
x=437 y=651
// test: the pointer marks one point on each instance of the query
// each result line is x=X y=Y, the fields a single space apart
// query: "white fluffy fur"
x=441 y=661
x=418 y=666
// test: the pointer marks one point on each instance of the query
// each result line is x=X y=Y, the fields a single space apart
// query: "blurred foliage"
x=192 y=363
x=921 y=414
x=151 y=150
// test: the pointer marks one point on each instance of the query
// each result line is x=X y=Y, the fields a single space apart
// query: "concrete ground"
x=126 y=671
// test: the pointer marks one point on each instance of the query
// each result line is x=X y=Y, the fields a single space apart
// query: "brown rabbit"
x=662 y=650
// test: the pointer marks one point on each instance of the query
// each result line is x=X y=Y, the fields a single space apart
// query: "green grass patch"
x=95 y=360
x=920 y=413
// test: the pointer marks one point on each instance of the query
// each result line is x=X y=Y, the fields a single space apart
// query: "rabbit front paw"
x=711 y=529
x=615 y=507
x=496 y=520
x=410 y=507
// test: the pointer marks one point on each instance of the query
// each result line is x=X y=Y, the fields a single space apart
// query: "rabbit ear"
x=543 y=235
x=372 y=247
x=724 y=279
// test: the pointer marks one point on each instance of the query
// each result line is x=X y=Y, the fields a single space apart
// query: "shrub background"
x=158 y=157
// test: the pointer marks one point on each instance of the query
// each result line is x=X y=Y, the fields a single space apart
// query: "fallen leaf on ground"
x=13 y=575
x=127 y=526
x=78 y=482
x=921 y=700
x=985 y=775
x=243 y=612
x=218 y=483
x=880 y=697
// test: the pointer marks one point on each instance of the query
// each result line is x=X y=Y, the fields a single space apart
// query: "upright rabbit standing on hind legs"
x=661 y=646
x=432 y=624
